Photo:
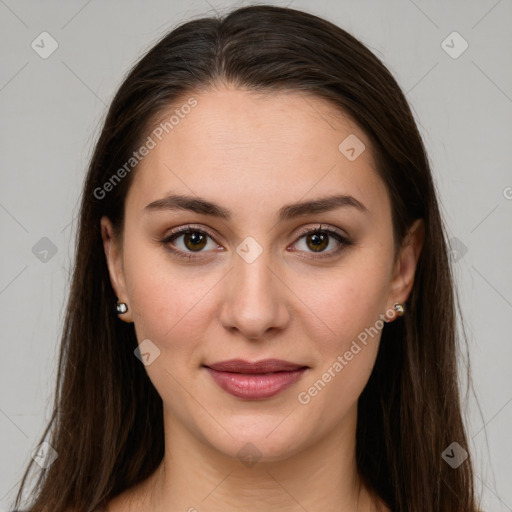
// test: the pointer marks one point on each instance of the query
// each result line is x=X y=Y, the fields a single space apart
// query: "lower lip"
x=255 y=386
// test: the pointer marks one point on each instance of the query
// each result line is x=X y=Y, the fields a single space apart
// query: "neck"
x=194 y=476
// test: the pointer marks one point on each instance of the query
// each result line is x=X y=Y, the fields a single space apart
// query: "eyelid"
x=190 y=227
x=322 y=227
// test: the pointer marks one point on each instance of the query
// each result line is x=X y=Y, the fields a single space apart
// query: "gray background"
x=51 y=110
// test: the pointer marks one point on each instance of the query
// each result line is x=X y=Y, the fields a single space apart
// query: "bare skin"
x=253 y=154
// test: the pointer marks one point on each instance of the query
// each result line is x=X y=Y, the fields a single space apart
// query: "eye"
x=186 y=240
x=318 y=239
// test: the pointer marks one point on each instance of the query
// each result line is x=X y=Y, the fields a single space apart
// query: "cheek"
x=348 y=301
x=168 y=302
x=346 y=330
x=345 y=358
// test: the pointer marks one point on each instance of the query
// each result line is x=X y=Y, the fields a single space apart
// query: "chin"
x=265 y=441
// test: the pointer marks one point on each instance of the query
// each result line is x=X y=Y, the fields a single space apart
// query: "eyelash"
x=183 y=230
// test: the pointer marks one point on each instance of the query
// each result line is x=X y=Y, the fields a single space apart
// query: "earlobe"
x=113 y=255
x=406 y=264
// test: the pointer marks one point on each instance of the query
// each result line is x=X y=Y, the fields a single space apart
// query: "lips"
x=255 y=380
x=264 y=366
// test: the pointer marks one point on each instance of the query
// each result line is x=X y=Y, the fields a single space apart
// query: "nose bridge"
x=255 y=300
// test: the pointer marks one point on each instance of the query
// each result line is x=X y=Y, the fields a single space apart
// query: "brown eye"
x=189 y=242
x=325 y=242
x=317 y=242
x=195 y=241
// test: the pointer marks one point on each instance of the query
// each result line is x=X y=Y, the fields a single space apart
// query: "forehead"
x=260 y=148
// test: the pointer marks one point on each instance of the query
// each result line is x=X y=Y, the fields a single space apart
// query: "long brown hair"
x=107 y=424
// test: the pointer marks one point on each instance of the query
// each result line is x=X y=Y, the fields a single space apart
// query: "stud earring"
x=399 y=308
x=121 y=308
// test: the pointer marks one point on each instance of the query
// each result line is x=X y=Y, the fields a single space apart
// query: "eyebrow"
x=290 y=211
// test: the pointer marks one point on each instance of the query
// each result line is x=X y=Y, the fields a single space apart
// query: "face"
x=250 y=278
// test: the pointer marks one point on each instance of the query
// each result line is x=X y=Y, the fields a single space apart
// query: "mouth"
x=255 y=380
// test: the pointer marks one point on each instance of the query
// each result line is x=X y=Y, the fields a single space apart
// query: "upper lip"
x=263 y=366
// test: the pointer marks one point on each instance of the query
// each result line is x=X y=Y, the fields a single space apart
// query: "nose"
x=255 y=301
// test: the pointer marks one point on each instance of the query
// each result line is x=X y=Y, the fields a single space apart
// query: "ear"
x=406 y=262
x=114 y=257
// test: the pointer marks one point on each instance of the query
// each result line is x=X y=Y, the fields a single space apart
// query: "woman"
x=262 y=314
